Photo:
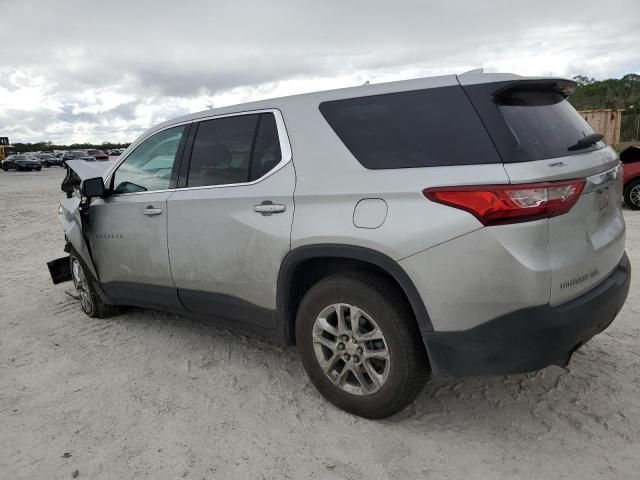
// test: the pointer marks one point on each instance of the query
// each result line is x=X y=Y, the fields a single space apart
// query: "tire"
x=632 y=194
x=90 y=301
x=38 y=169
x=400 y=377
x=6 y=169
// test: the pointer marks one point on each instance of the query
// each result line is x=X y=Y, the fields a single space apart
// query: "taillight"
x=500 y=204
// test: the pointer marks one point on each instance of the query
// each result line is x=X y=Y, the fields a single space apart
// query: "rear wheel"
x=632 y=194
x=359 y=343
x=90 y=301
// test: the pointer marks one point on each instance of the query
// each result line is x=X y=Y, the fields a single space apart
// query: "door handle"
x=268 y=208
x=150 y=211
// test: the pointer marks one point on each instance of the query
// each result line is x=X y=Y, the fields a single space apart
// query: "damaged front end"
x=73 y=214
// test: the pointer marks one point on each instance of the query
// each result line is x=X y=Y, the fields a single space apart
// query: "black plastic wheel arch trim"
x=348 y=252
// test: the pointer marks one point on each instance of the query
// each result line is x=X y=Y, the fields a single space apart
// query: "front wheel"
x=90 y=301
x=360 y=345
x=632 y=194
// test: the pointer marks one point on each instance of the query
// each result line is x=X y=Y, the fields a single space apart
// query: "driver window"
x=149 y=166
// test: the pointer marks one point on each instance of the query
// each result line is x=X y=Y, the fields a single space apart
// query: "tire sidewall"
x=350 y=291
x=93 y=312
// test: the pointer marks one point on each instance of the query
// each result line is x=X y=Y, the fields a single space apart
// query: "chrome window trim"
x=597 y=181
x=283 y=138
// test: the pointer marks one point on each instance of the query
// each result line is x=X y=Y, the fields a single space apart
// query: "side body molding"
x=348 y=252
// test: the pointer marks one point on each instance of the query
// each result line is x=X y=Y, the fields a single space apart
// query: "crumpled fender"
x=70 y=217
x=71 y=208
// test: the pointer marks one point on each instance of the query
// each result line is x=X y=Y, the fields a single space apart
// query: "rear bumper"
x=532 y=338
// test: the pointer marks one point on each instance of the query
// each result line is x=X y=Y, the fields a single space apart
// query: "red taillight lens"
x=500 y=204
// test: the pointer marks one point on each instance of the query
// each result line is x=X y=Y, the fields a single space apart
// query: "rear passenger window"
x=420 y=128
x=222 y=151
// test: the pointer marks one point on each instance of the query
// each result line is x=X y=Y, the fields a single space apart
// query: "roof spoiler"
x=562 y=86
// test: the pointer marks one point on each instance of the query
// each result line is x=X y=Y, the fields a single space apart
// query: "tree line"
x=623 y=93
x=49 y=146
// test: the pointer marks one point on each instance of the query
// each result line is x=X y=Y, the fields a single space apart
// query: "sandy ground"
x=147 y=394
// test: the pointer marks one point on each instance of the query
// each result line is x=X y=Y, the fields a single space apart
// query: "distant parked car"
x=98 y=154
x=77 y=155
x=21 y=162
x=47 y=160
x=631 y=161
x=74 y=154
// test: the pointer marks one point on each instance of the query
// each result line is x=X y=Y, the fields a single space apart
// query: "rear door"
x=538 y=134
x=230 y=222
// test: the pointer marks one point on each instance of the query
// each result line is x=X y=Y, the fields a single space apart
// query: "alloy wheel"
x=351 y=349
x=634 y=195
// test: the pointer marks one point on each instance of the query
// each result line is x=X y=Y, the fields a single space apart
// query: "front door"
x=128 y=229
x=229 y=228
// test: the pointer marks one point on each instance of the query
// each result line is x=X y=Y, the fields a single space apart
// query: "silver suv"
x=448 y=226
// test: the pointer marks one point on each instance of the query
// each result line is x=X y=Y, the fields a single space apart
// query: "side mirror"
x=92 y=187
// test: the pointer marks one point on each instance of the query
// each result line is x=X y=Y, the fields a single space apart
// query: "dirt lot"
x=158 y=395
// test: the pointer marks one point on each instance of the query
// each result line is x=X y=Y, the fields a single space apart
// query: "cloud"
x=89 y=71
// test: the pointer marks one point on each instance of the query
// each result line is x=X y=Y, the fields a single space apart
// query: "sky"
x=94 y=71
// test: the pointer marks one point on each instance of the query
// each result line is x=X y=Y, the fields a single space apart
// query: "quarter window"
x=149 y=166
x=266 y=153
x=419 y=128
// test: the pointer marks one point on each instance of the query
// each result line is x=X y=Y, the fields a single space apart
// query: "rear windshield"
x=419 y=128
x=545 y=124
